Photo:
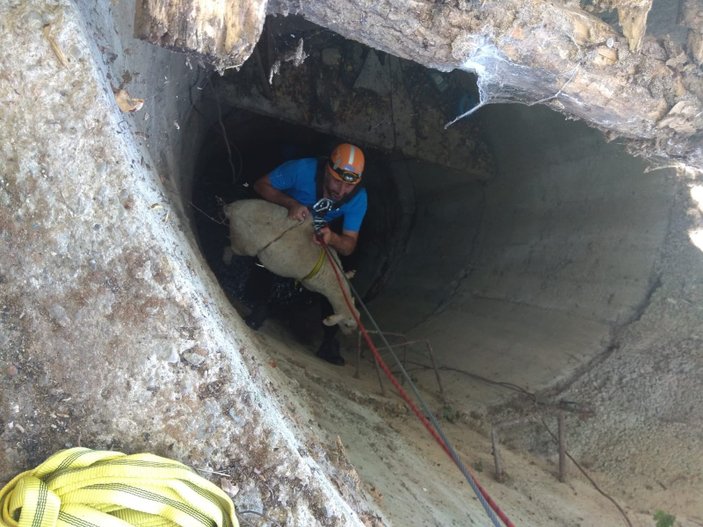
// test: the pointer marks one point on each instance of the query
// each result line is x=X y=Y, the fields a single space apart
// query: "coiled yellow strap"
x=80 y=487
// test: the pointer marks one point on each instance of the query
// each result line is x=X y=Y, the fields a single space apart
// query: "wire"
x=502 y=384
x=224 y=134
x=583 y=471
x=201 y=211
x=490 y=507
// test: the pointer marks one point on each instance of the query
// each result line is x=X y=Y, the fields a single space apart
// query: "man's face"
x=336 y=189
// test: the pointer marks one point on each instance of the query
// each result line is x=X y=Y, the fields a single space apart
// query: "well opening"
x=519 y=252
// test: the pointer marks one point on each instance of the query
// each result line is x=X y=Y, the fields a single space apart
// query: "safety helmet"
x=346 y=163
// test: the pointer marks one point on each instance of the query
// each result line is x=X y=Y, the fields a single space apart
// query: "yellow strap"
x=318 y=266
x=80 y=487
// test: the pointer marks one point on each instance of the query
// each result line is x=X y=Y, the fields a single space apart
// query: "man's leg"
x=258 y=290
x=329 y=349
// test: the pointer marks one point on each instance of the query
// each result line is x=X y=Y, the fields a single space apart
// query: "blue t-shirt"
x=297 y=179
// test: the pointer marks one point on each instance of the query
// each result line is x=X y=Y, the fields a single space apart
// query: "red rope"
x=403 y=394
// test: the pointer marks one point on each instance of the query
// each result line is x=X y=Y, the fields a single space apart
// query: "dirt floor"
x=381 y=446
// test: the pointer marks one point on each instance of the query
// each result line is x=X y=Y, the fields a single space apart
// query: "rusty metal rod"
x=561 y=431
x=500 y=474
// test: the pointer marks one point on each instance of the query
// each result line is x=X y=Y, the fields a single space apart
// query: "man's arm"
x=296 y=210
x=344 y=243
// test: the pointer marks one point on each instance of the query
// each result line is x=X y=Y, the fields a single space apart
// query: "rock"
x=59 y=316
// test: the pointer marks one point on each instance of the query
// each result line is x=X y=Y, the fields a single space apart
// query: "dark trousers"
x=259 y=286
x=259 y=290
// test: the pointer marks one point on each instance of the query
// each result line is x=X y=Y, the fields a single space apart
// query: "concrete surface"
x=525 y=278
x=553 y=264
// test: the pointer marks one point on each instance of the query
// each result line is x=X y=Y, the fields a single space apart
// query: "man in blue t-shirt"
x=298 y=185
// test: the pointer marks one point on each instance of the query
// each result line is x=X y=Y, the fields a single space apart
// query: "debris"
x=633 y=21
x=297 y=57
x=439 y=80
x=375 y=493
x=59 y=316
x=227 y=485
x=193 y=358
x=605 y=56
x=680 y=118
x=274 y=70
x=678 y=61
x=54 y=46
x=126 y=102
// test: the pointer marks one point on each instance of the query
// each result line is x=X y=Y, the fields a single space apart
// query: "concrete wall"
x=113 y=332
x=572 y=223
x=528 y=275
x=167 y=81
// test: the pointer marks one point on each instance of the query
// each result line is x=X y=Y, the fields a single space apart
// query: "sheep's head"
x=346 y=320
x=346 y=323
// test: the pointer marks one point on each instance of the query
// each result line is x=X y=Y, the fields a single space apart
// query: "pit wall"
x=113 y=333
x=573 y=224
x=170 y=84
x=528 y=274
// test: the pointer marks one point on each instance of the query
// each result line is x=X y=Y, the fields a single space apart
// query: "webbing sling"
x=80 y=487
x=317 y=266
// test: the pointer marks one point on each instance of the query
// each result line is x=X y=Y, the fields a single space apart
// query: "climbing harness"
x=426 y=416
x=80 y=487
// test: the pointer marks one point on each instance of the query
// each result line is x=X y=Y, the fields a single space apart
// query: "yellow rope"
x=318 y=266
x=80 y=487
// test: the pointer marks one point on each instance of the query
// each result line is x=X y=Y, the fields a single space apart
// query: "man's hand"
x=344 y=244
x=298 y=212
x=323 y=234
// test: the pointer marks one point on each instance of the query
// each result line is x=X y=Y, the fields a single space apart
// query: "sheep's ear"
x=332 y=320
x=350 y=274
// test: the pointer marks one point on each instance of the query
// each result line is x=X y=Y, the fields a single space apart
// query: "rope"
x=434 y=428
x=317 y=267
x=80 y=487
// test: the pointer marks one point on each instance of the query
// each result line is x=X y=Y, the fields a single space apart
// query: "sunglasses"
x=344 y=175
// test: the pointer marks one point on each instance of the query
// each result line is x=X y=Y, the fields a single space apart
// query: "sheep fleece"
x=285 y=247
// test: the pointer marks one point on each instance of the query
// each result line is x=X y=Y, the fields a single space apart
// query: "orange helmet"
x=346 y=163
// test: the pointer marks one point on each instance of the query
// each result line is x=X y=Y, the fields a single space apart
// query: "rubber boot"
x=329 y=351
x=258 y=315
x=259 y=287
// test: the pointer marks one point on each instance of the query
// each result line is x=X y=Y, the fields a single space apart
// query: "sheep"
x=286 y=248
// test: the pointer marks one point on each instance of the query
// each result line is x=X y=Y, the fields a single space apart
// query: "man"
x=303 y=186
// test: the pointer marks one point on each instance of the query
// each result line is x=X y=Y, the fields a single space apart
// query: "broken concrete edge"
x=569 y=77
x=220 y=34
x=501 y=42
x=657 y=134
x=94 y=314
